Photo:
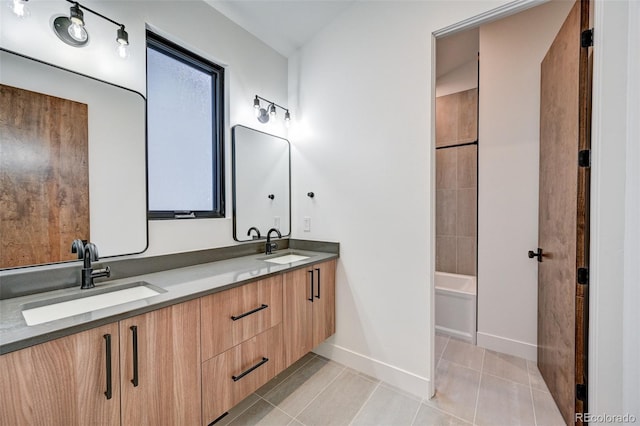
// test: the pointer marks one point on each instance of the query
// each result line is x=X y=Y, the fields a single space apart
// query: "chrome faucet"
x=88 y=252
x=255 y=237
x=269 y=246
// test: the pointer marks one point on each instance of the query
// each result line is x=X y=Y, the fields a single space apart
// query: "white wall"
x=508 y=157
x=363 y=93
x=615 y=220
x=251 y=68
x=463 y=78
x=631 y=313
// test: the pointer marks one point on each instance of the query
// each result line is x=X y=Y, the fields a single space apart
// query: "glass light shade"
x=78 y=32
x=122 y=50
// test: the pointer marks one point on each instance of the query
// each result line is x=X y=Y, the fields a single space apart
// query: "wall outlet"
x=307 y=224
x=276 y=222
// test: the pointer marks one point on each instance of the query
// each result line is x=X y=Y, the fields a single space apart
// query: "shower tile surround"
x=456 y=183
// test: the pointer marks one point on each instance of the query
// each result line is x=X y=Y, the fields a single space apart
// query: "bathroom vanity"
x=216 y=333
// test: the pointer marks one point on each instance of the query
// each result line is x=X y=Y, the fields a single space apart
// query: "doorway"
x=508 y=171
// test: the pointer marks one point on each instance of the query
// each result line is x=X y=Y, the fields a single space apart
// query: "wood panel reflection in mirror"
x=44 y=178
x=111 y=195
x=261 y=183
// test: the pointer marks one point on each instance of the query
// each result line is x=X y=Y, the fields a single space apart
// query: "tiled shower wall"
x=456 y=209
x=456 y=183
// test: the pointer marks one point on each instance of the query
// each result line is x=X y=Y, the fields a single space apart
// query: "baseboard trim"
x=508 y=346
x=402 y=379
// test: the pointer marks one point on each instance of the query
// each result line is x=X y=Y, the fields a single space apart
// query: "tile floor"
x=474 y=386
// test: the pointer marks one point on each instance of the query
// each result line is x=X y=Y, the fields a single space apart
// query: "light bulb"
x=123 y=51
x=287 y=119
x=19 y=8
x=272 y=111
x=256 y=106
x=77 y=32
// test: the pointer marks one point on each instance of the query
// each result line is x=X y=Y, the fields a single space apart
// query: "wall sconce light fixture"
x=72 y=31
x=19 y=8
x=264 y=114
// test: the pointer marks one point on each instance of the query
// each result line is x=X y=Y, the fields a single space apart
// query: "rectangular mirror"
x=46 y=184
x=261 y=183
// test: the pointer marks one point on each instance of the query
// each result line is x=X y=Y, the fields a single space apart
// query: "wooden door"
x=297 y=314
x=63 y=382
x=563 y=213
x=324 y=302
x=167 y=390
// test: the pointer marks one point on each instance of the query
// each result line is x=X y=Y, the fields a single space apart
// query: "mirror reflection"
x=72 y=156
x=261 y=184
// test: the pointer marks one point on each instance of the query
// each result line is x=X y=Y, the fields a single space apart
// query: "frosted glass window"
x=184 y=103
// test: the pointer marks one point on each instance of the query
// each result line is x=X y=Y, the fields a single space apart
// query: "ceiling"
x=285 y=25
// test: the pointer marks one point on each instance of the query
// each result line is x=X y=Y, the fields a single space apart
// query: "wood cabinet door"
x=233 y=316
x=160 y=352
x=63 y=382
x=324 y=301
x=297 y=314
x=233 y=375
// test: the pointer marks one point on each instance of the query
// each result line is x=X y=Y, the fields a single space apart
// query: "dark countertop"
x=180 y=284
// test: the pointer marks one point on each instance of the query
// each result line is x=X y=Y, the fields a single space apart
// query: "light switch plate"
x=307 y=224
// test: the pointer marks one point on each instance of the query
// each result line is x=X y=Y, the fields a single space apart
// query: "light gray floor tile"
x=294 y=422
x=295 y=392
x=547 y=413
x=262 y=413
x=441 y=343
x=238 y=410
x=506 y=366
x=536 y=380
x=339 y=402
x=502 y=402
x=285 y=374
x=456 y=389
x=464 y=354
x=387 y=407
x=429 y=416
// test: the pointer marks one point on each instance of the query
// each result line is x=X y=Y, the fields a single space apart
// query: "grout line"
x=475 y=411
x=284 y=379
x=246 y=409
x=365 y=402
x=321 y=390
x=415 y=415
x=279 y=409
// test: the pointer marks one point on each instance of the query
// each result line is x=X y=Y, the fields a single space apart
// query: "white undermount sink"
x=63 y=307
x=285 y=259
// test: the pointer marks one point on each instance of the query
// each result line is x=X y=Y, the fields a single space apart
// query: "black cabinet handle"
x=310 y=299
x=318 y=295
x=253 y=311
x=244 y=373
x=107 y=340
x=134 y=330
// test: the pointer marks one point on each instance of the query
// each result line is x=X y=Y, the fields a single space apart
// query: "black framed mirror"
x=261 y=183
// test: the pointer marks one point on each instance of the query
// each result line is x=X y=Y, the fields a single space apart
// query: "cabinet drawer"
x=233 y=316
x=233 y=375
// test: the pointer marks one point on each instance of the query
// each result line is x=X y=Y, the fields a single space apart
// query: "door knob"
x=537 y=253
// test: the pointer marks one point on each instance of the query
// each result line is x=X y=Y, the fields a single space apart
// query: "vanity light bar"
x=72 y=31
x=263 y=114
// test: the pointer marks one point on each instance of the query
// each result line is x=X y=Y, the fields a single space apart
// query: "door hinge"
x=583 y=276
x=581 y=392
x=584 y=158
x=586 y=38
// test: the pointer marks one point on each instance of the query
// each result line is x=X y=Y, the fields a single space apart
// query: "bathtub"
x=456 y=305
